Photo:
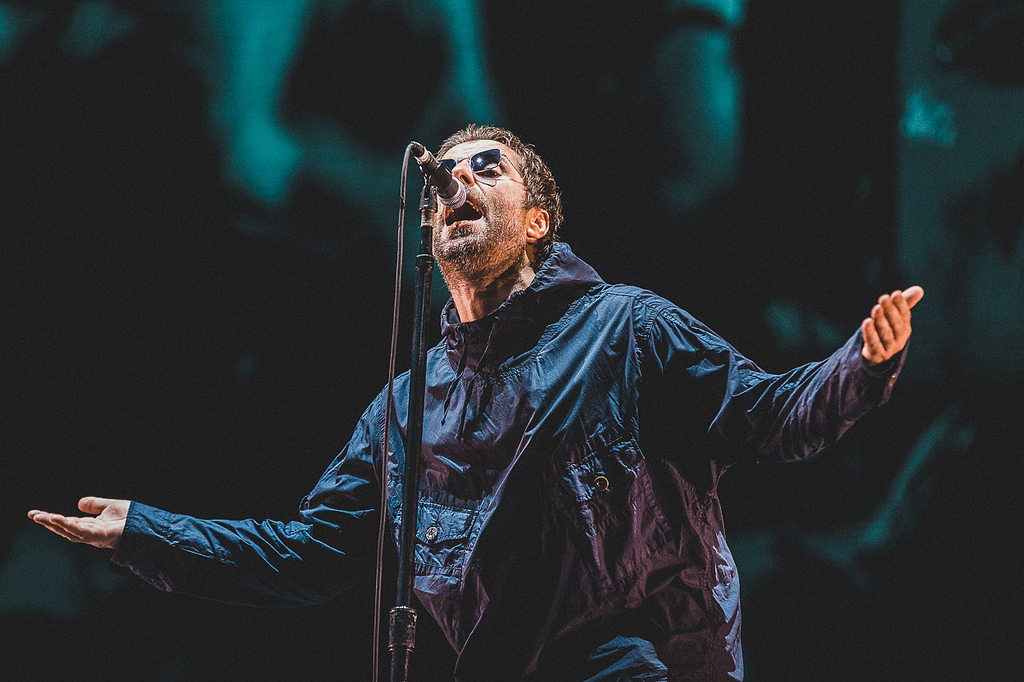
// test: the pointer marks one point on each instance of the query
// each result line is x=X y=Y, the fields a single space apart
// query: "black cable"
x=386 y=449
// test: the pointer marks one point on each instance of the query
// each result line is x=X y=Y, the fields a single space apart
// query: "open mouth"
x=465 y=213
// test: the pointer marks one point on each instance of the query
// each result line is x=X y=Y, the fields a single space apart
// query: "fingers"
x=899 y=300
x=873 y=348
x=886 y=331
x=892 y=315
x=60 y=531
x=103 y=530
x=883 y=317
x=913 y=295
x=59 y=524
x=894 y=321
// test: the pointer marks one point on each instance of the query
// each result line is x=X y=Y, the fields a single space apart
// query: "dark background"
x=175 y=334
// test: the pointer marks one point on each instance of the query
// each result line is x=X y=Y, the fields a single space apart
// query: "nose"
x=462 y=173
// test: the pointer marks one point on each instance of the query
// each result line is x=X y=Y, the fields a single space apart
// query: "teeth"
x=465 y=213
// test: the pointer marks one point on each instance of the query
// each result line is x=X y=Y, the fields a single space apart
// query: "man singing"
x=574 y=435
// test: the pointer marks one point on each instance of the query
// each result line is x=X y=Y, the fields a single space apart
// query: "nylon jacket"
x=569 y=525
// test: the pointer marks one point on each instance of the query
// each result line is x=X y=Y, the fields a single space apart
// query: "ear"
x=536 y=225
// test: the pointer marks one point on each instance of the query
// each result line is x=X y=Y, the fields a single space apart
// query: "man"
x=574 y=435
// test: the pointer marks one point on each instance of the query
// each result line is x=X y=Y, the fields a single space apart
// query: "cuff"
x=886 y=372
x=142 y=526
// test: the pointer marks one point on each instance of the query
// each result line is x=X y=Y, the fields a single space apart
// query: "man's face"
x=487 y=233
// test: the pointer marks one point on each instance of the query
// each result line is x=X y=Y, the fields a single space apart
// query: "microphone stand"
x=402 y=620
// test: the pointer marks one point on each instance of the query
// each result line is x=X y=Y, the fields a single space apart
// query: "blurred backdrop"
x=198 y=202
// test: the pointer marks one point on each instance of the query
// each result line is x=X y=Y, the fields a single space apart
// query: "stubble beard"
x=480 y=257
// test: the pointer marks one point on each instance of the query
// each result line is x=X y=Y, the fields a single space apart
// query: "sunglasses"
x=480 y=163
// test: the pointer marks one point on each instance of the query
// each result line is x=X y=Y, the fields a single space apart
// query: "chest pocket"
x=442 y=537
x=614 y=515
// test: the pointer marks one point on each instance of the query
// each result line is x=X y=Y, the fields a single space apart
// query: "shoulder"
x=644 y=305
x=658 y=321
x=647 y=314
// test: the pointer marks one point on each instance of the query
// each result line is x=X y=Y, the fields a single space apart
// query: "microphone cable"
x=386 y=449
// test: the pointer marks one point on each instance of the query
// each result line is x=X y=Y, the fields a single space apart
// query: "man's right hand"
x=103 y=529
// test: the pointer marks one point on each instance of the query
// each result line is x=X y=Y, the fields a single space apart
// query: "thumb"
x=912 y=295
x=93 y=505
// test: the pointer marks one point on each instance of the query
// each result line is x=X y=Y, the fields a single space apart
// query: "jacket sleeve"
x=770 y=417
x=270 y=563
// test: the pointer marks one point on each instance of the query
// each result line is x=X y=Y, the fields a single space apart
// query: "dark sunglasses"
x=481 y=162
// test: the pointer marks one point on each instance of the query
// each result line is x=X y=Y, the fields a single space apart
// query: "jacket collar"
x=480 y=339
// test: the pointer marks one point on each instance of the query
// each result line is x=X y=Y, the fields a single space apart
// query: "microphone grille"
x=458 y=199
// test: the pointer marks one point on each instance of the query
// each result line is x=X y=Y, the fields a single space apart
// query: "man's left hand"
x=887 y=330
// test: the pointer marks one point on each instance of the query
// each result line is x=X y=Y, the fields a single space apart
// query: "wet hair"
x=541 y=190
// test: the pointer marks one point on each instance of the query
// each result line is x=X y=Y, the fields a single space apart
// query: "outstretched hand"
x=886 y=331
x=101 y=530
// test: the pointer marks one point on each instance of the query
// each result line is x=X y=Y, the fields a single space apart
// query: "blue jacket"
x=569 y=525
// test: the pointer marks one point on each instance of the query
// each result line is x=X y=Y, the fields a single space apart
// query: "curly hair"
x=541 y=190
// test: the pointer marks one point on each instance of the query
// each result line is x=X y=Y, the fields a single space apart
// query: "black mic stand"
x=402 y=621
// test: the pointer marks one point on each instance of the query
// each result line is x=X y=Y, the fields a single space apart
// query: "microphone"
x=450 y=191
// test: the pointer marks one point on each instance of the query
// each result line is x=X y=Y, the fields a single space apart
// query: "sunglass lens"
x=486 y=160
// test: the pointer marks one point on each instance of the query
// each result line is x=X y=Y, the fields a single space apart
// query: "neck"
x=478 y=296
